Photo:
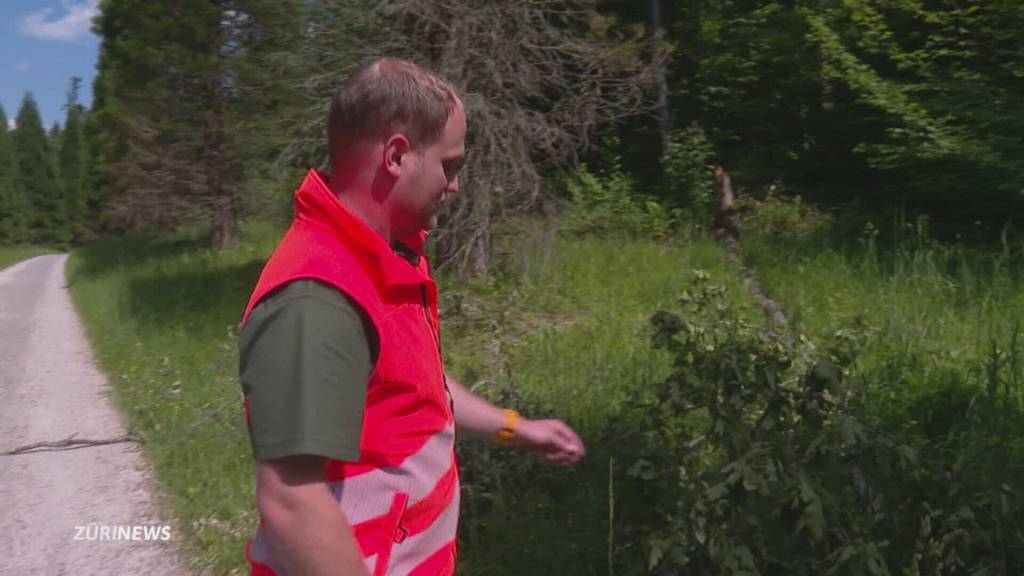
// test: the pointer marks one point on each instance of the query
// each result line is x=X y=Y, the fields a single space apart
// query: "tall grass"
x=562 y=331
x=559 y=326
x=910 y=316
x=932 y=336
x=564 y=320
x=162 y=317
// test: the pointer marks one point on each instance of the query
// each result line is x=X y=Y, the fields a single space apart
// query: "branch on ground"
x=69 y=443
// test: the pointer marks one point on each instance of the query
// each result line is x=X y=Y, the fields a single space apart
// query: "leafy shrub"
x=781 y=219
x=689 y=172
x=755 y=460
x=609 y=204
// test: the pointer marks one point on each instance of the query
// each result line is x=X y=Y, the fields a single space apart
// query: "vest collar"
x=316 y=204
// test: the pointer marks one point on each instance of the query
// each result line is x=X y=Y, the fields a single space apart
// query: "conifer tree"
x=71 y=160
x=36 y=178
x=182 y=96
x=12 y=212
x=53 y=138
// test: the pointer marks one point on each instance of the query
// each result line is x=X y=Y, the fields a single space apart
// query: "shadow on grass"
x=104 y=256
x=196 y=301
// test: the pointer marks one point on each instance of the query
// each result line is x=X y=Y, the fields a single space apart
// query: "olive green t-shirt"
x=306 y=353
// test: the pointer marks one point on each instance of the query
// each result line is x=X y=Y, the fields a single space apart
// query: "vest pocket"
x=393 y=533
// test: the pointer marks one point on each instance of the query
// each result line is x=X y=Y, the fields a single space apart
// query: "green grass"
x=563 y=325
x=562 y=321
x=560 y=328
x=13 y=255
x=162 y=317
x=912 y=318
x=565 y=322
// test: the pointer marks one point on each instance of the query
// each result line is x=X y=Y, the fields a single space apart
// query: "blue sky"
x=43 y=43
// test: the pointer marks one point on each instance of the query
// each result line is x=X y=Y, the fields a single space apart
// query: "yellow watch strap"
x=508 y=428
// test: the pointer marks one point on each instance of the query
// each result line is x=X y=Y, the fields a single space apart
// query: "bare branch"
x=538 y=77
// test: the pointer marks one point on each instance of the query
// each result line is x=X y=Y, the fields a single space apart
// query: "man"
x=351 y=416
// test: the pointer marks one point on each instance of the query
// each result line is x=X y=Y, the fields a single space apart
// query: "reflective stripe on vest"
x=402 y=497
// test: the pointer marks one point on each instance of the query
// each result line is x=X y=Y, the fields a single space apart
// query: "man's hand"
x=555 y=439
x=475 y=416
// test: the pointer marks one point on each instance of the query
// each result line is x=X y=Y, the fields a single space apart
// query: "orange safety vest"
x=402 y=497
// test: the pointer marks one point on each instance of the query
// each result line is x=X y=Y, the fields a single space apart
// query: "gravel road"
x=56 y=505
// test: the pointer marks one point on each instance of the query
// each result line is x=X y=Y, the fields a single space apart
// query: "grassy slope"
x=562 y=320
x=11 y=255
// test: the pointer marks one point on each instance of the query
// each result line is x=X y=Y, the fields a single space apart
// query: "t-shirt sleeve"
x=305 y=360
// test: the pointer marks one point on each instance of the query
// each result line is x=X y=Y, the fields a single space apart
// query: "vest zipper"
x=435 y=332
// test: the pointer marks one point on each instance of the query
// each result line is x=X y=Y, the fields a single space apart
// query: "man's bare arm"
x=309 y=532
x=477 y=417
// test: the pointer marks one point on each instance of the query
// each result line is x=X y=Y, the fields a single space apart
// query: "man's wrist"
x=509 y=426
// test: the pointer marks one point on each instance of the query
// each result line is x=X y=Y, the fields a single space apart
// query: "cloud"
x=12 y=123
x=23 y=66
x=72 y=25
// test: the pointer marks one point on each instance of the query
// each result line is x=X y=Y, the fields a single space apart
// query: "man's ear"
x=396 y=150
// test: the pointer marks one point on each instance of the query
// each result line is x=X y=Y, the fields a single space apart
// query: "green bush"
x=609 y=204
x=689 y=173
x=781 y=220
x=756 y=460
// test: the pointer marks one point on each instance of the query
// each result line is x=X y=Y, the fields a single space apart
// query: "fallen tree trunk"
x=726 y=230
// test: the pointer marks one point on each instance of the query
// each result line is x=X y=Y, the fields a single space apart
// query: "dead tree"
x=537 y=79
x=724 y=215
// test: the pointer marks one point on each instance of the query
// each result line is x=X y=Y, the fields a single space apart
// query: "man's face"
x=433 y=176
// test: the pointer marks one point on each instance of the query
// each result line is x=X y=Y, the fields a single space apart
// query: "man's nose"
x=453 y=186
